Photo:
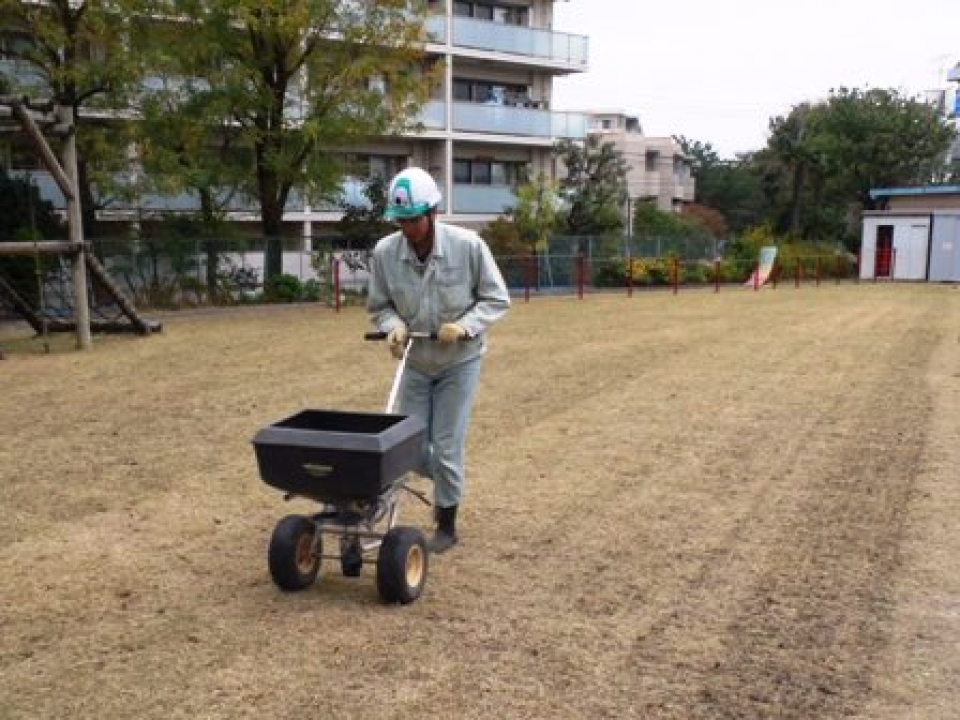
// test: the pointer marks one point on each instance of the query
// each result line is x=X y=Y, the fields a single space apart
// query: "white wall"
x=911 y=245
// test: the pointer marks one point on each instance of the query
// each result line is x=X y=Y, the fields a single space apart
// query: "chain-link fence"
x=183 y=272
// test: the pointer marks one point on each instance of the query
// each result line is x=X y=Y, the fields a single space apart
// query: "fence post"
x=676 y=275
x=629 y=276
x=716 y=276
x=529 y=268
x=799 y=270
x=756 y=277
x=818 y=271
x=581 y=263
x=336 y=283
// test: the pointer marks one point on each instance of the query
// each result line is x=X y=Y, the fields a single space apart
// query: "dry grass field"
x=733 y=505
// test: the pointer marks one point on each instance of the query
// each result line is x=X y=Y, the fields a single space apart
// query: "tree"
x=594 y=187
x=363 y=224
x=25 y=216
x=79 y=54
x=822 y=159
x=537 y=212
x=296 y=82
x=730 y=187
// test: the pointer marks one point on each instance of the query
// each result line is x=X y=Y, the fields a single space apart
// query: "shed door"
x=884 y=251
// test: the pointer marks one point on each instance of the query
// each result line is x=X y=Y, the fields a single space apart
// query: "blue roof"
x=922 y=190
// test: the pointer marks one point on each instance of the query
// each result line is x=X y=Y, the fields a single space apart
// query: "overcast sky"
x=717 y=70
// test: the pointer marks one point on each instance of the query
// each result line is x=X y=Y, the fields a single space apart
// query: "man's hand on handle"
x=451 y=333
x=397 y=340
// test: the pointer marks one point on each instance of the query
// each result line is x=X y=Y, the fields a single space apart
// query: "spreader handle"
x=414 y=335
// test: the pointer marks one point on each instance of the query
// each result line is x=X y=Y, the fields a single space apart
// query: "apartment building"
x=489 y=124
x=658 y=170
x=953 y=110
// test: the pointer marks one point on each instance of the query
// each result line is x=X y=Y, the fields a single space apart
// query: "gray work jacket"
x=458 y=282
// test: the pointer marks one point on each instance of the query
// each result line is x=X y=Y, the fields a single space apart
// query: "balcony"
x=510 y=120
x=562 y=50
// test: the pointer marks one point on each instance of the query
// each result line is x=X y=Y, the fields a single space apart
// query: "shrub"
x=283 y=289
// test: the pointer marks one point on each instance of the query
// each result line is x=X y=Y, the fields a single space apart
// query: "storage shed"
x=915 y=235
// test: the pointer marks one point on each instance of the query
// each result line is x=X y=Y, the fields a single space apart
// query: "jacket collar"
x=408 y=255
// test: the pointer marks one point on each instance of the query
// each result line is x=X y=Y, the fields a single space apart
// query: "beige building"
x=490 y=122
x=658 y=170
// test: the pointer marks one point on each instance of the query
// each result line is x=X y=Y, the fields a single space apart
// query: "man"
x=435 y=278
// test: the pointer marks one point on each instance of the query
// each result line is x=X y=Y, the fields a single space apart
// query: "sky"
x=717 y=71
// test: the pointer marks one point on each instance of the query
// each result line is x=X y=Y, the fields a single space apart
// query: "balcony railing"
x=508 y=120
x=467 y=199
x=482 y=199
x=436 y=26
x=517 y=40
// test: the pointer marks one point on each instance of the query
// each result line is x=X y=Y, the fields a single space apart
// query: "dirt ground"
x=733 y=505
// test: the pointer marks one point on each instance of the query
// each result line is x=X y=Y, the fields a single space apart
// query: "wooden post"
x=75 y=221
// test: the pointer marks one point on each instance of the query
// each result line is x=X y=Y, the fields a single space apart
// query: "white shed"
x=914 y=236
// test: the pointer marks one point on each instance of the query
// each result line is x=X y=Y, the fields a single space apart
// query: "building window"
x=489 y=172
x=505 y=14
x=365 y=167
x=652 y=158
x=493 y=93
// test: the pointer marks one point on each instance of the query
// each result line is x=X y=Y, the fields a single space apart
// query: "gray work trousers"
x=444 y=402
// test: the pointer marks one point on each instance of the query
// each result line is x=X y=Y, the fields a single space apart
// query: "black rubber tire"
x=292 y=564
x=402 y=564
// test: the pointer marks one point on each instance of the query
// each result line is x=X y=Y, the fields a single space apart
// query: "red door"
x=884 y=254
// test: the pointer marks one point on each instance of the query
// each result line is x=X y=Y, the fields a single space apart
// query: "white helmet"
x=412 y=193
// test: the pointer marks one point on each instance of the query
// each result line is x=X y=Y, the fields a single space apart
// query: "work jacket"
x=458 y=282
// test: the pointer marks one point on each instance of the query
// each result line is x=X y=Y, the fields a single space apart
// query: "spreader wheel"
x=402 y=565
x=294 y=555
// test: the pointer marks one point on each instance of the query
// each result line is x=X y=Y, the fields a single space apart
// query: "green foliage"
x=594 y=187
x=747 y=246
x=25 y=217
x=537 y=213
x=267 y=76
x=283 y=289
x=731 y=187
x=672 y=232
x=80 y=54
x=312 y=290
x=362 y=225
x=504 y=240
x=822 y=159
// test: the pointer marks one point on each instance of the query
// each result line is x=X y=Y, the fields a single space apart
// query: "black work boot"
x=446 y=535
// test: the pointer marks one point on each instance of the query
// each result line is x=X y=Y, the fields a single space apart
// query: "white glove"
x=451 y=333
x=397 y=340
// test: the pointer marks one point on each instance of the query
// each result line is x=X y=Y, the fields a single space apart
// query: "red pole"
x=756 y=277
x=818 y=271
x=336 y=285
x=799 y=270
x=676 y=275
x=716 y=276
